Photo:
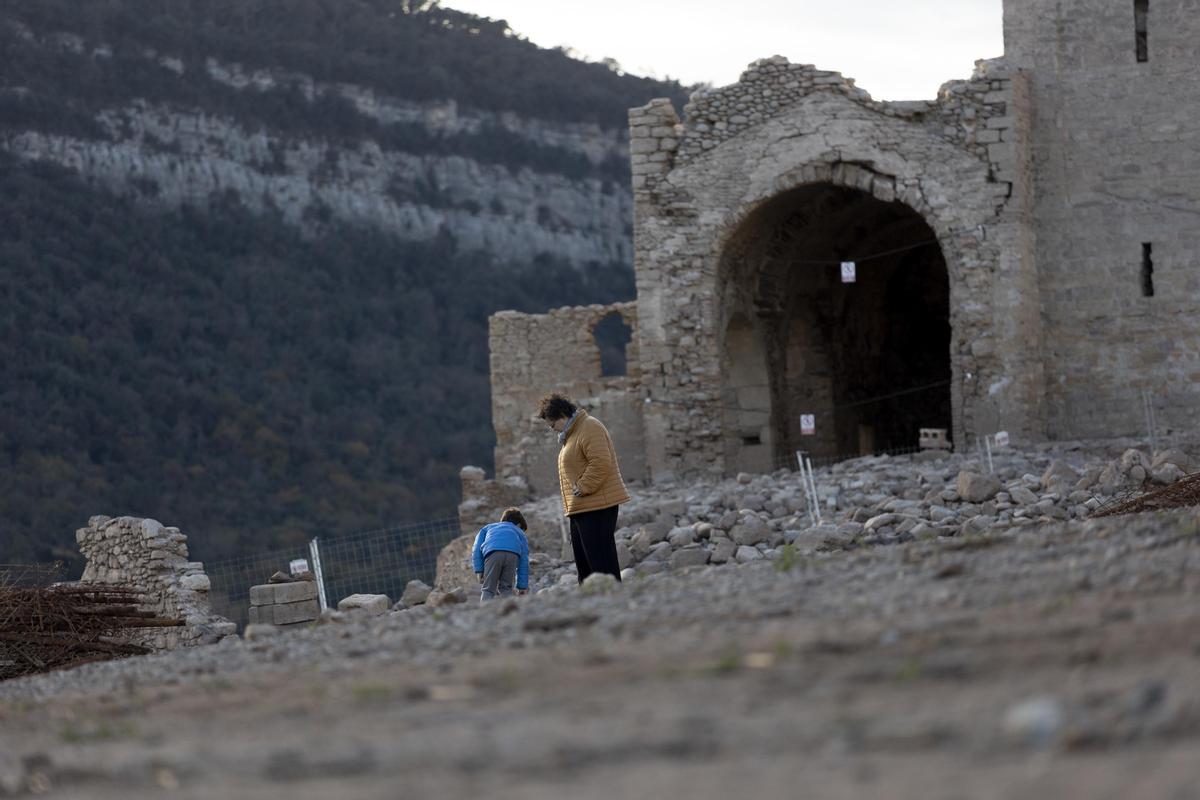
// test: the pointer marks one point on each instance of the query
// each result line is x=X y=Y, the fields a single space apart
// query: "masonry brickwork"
x=1056 y=185
x=143 y=554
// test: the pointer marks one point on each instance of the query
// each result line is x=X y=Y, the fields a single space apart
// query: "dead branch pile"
x=47 y=628
x=1183 y=493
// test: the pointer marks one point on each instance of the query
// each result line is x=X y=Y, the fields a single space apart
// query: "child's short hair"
x=514 y=516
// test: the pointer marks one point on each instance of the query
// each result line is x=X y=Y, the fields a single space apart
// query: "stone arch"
x=873 y=360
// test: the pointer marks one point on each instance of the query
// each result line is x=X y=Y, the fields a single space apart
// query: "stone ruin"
x=1023 y=250
x=144 y=555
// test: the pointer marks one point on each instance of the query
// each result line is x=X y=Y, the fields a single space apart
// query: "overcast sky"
x=895 y=49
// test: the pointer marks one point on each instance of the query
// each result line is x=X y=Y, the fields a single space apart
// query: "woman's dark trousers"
x=593 y=540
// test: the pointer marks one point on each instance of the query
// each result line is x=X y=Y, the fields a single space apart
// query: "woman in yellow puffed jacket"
x=590 y=480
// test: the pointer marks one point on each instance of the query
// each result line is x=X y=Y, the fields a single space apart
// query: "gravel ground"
x=1039 y=660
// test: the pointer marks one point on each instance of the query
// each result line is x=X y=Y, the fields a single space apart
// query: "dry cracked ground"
x=1048 y=661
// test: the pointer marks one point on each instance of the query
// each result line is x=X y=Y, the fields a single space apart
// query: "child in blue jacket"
x=501 y=556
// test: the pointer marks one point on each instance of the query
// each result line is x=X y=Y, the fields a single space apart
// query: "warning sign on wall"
x=849 y=271
x=808 y=424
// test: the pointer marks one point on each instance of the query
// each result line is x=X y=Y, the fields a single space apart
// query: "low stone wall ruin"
x=145 y=555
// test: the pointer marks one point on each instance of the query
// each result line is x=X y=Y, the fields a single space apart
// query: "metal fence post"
x=314 y=550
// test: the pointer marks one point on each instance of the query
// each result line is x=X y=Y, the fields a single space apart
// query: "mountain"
x=248 y=250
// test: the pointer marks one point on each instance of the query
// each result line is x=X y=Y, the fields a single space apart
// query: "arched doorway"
x=868 y=360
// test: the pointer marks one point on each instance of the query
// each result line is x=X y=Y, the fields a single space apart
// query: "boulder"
x=415 y=593
x=1059 y=471
x=746 y=554
x=681 y=536
x=625 y=557
x=1022 y=496
x=454 y=596
x=975 y=488
x=750 y=530
x=723 y=551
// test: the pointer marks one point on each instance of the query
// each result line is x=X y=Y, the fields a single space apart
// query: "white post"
x=987 y=443
x=314 y=550
x=1148 y=407
x=812 y=477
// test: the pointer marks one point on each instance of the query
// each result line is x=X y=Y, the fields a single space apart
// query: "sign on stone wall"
x=808 y=424
x=849 y=271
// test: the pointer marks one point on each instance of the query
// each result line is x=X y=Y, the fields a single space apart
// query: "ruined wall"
x=1116 y=154
x=954 y=161
x=533 y=354
x=144 y=555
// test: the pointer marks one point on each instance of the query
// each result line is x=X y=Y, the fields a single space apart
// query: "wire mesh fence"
x=369 y=562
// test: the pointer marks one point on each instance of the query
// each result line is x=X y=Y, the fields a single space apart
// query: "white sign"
x=1001 y=439
x=808 y=424
x=298 y=566
x=848 y=271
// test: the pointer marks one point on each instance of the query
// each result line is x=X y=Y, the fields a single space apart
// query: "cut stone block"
x=288 y=613
x=373 y=604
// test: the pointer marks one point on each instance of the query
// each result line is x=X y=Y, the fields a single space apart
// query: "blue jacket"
x=503 y=536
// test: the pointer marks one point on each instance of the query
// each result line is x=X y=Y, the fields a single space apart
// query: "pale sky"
x=895 y=49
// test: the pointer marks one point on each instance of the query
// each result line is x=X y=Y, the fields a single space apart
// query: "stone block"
x=263 y=595
x=289 y=613
x=373 y=604
x=295 y=592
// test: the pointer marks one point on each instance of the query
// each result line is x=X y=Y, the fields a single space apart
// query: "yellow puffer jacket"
x=588 y=461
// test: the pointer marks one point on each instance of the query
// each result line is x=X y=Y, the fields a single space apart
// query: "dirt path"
x=1053 y=663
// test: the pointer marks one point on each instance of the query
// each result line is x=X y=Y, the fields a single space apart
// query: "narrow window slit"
x=750 y=441
x=1147 y=271
x=1141 y=9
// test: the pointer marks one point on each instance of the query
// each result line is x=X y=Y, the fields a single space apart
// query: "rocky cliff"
x=496 y=181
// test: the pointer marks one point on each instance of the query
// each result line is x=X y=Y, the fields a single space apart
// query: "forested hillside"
x=204 y=353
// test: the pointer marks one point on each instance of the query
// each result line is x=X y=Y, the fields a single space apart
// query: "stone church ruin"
x=1023 y=252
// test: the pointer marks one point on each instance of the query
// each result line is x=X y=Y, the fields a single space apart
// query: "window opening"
x=1147 y=271
x=1141 y=9
x=612 y=335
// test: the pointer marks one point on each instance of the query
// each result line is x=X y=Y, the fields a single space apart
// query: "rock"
x=628 y=574
x=438 y=598
x=744 y=478
x=1022 y=496
x=197 y=583
x=1059 y=471
x=1137 y=473
x=373 y=604
x=750 y=530
x=704 y=530
x=625 y=557
x=415 y=593
x=746 y=554
x=681 y=536
x=688 y=557
x=1176 y=458
x=723 y=551
x=598 y=583
x=975 y=488
x=1167 y=474
x=880 y=521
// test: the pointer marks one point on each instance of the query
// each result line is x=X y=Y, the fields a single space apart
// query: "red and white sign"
x=808 y=424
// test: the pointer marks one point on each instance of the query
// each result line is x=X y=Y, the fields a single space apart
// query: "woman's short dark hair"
x=555 y=406
x=514 y=516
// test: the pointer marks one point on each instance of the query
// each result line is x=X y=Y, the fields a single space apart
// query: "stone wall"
x=785 y=126
x=1116 y=159
x=144 y=555
x=534 y=354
